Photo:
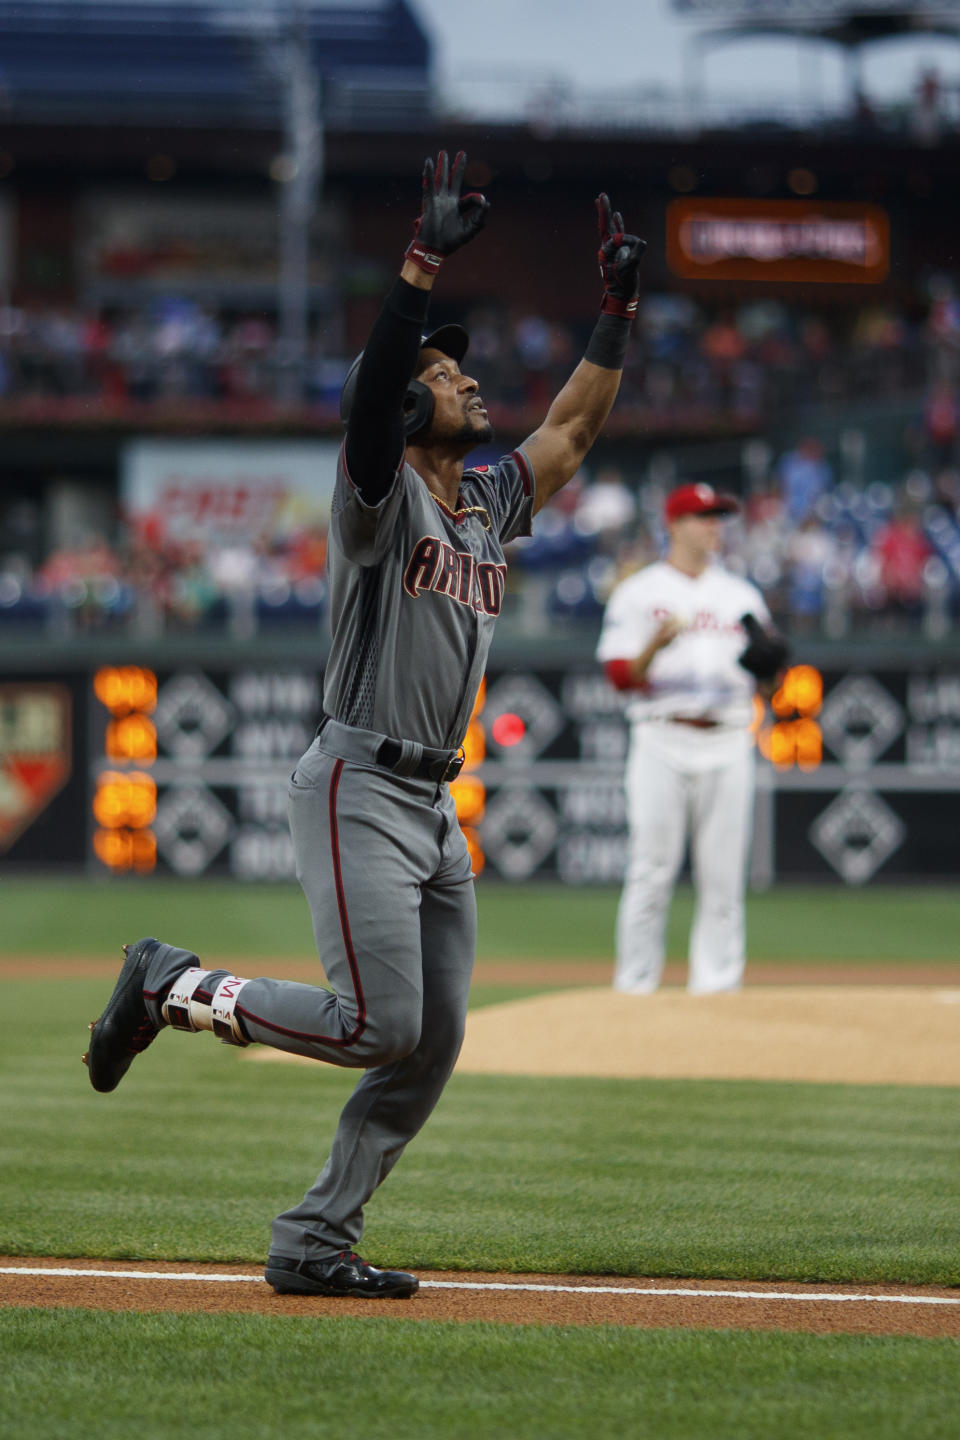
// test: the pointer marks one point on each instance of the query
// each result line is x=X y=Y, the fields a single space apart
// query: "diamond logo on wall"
x=191 y=827
x=856 y=834
x=519 y=831
x=860 y=719
x=191 y=717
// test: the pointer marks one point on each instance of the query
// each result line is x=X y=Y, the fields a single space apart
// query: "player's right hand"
x=619 y=255
x=668 y=631
x=447 y=219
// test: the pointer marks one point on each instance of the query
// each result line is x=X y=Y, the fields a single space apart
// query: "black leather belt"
x=437 y=765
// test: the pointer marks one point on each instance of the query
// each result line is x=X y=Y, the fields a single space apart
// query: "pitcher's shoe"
x=343 y=1274
x=124 y=1030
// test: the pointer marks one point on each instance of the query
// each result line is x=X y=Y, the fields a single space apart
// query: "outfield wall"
x=173 y=759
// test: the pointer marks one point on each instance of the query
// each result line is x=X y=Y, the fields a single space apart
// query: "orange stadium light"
x=782 y=748
x=477 y=857
x=793 y=742
x=808 y=744
x=126 y=849
x=801 y=692
x=124 y=800
x=470 y=797
x=474 y=746
x=125 y=688
x=134 y=737
x=481 y=699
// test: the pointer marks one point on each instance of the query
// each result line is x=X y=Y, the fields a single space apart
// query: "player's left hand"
x=447 y=219
x=766 y=654
x=619 y=255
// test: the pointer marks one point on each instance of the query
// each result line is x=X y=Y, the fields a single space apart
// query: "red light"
x=508 y=729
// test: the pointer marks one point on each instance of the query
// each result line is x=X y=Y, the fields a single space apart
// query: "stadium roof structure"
x=207 y=62
x=851 y=25
x=845 y=22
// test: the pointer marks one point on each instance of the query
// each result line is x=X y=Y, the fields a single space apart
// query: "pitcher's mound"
x=903 y=1035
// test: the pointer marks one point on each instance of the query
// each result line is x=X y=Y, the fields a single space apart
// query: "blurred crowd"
x=836 y=546
x=743 y=360
x=832 y=557
x=150 y=584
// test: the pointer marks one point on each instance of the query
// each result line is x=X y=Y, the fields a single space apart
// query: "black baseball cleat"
x=343 y=1274
x=124 y=1030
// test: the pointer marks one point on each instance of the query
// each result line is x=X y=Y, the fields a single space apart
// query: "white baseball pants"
x=697 y=786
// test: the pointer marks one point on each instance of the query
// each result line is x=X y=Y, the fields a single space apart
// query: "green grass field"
x=196 y=1151
x=85 y=917
x=110 y=1376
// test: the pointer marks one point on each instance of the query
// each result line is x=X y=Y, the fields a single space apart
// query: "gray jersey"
x=415 y=592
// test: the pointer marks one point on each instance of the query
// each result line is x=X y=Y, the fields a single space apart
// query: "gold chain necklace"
x=466 y=510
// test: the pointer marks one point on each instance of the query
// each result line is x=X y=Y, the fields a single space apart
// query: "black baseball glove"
x=447 y=219
x=619 y=257
x=766 y=653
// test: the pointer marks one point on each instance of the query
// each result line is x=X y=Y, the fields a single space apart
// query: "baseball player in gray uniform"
x=416 y=564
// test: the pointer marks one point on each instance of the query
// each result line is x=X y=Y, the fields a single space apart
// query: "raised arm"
x=374 y=406
x=576 y=416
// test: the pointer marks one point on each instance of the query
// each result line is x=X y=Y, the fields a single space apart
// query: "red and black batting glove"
x=619 y=255
x=447 y=219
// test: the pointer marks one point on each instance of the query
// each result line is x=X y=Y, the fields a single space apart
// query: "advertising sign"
x=792 y=241
x=218 y=491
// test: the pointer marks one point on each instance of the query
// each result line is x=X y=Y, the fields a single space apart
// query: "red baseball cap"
x=698 y=499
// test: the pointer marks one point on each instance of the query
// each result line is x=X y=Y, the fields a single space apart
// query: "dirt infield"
x=503 y=1299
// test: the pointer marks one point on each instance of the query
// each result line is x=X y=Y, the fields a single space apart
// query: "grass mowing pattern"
x=90 y=917
x=200 y=1147
x=104 y=1377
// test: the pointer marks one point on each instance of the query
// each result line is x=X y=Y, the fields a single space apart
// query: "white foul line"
x=828 y=1296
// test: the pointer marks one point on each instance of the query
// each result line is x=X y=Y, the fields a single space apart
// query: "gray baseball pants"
x=386 y=872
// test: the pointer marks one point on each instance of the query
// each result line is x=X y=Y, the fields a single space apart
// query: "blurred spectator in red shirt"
x=901 y=550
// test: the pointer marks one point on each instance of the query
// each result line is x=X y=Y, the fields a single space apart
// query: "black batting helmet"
x=450 y=340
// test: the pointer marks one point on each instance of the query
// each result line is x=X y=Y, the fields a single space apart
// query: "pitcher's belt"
x=401 y=757
x=699 y=722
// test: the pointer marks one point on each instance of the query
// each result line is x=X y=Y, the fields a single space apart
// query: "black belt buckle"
x=444 y=770
x=453 y=768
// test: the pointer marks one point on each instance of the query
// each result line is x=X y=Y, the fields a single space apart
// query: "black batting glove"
x=447 y=220
x=619 y=257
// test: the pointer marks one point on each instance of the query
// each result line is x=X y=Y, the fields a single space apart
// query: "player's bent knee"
x=390 y=1039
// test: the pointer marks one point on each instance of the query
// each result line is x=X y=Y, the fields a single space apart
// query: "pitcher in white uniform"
x=673 y=636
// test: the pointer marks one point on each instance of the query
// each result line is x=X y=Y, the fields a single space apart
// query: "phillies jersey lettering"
x=697 y=674
x=703 y=620
x=415 y=591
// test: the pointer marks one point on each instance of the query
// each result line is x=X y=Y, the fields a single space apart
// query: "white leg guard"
x=183 y=1012
x=180 y=1009
x=224 y=1020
